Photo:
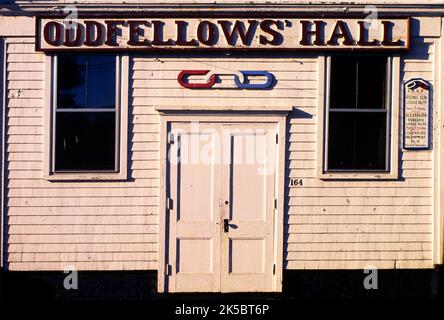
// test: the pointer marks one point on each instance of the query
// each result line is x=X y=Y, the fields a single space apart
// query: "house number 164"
x=296 y=183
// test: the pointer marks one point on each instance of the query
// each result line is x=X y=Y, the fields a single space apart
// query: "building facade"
x=222 y=144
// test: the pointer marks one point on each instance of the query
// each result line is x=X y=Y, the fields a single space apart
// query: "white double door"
x=221 y=207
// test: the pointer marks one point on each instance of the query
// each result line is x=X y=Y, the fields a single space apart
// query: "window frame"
x=392 y=134
x=121 y=123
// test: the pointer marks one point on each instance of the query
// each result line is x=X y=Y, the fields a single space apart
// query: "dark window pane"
x=71 y=81
x=101 y=81
x=358 y=82
x=343 y=82
x=357 y=141
x=85 y=141
x=372 y=82
x=86 y=81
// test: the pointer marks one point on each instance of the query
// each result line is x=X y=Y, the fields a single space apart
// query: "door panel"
x=246 y=185
x=222 y=171
x=195 y=255
x=247 y=248
x=247 y=256
x=195 y=181
x=194 y=219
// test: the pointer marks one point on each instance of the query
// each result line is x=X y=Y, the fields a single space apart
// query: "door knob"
x=226 y=225
x=226 y=202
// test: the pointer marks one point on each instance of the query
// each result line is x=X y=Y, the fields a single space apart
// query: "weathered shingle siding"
x=114 y=225
x=93 y=226
x=351 y=224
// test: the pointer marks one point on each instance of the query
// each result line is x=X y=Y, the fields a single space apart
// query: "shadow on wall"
x=420 y=49
x=130 y=142
x=295 y=114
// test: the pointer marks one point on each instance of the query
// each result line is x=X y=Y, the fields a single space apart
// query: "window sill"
x=358 y=176
x=78 y=176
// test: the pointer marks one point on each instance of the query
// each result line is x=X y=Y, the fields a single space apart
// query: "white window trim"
x=393 y=128
x=122 y=80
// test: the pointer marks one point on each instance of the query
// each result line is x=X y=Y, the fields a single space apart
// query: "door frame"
x=278 y=117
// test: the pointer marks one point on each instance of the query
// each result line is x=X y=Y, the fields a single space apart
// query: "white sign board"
x=416 y=114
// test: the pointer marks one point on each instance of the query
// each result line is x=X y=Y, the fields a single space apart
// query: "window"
x=88 y=118
x=358 y=114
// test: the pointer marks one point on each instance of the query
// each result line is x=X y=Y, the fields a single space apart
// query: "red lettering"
x=277 y=37
x=93 y=27
x=76 y=40
x=388 y=35
x=134 y=33
x=181 y=40
x=318 y=32
x=341 y=31
x=363 y=36
x=158 y=34
x=207 y=33
x=238 y=30
x=52 y=33
x=111 y=35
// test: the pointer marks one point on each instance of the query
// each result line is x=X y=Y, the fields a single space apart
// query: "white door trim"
x=276 y=117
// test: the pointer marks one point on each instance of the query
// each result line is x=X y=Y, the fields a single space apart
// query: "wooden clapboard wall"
x=94 y=226
x=114 y=225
